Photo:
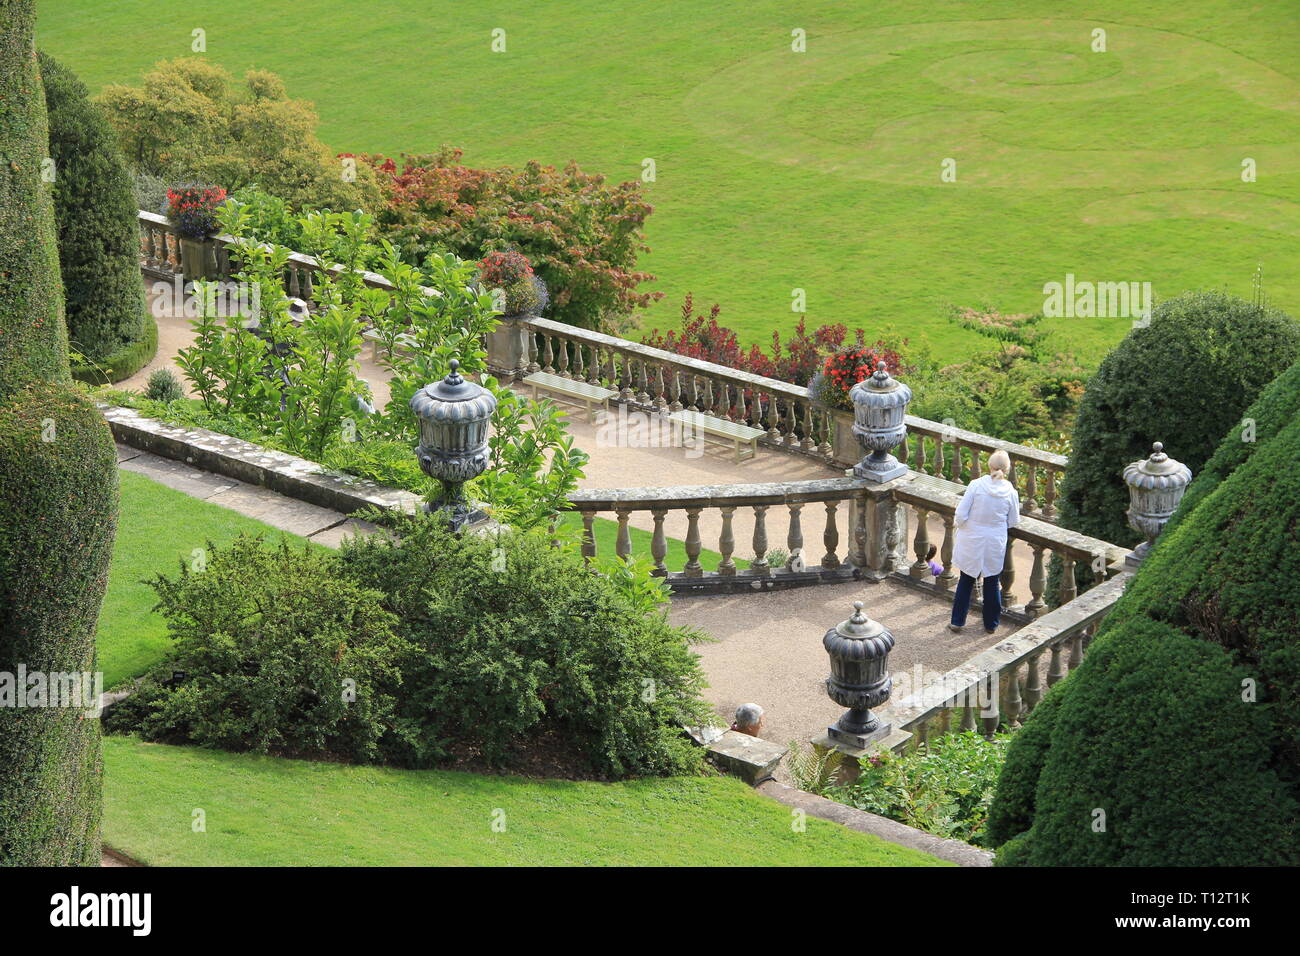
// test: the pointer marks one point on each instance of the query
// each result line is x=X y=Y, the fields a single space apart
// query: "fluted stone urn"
x=859 y=652
x=453 y=416
x=879 y=410
x=1155 y=487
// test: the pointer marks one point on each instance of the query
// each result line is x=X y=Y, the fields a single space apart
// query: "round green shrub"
x=1154 y=733
x=515 y=637
x=164 y=386
x=94 y=207
x=275 y=650
x=1185 y=380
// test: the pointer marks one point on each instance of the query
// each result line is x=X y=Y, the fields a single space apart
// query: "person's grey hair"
x=748 y=715
x=999 y=464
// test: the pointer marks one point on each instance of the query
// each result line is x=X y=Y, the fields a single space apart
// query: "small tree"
x=190 y=120
x=99 y=246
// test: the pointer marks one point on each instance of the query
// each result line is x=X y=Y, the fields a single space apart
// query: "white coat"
x=987 y=510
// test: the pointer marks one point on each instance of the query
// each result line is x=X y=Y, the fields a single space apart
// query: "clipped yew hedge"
x=1185 y=380
x=99 y=245
x=58 y=497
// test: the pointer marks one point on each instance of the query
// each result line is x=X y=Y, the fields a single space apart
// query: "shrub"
x=164 y=386
x=1185 y=380
x=1154 y=733
x=1012 y=810
x=58 y=496
x=99 y=246
x=189 y=119
x=275 y=651
x=581 y=234
x=514 y=637
x=943 y=787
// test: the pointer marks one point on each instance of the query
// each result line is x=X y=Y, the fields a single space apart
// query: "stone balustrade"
x=846 y=509
x=656 y=380
x=1000 y=687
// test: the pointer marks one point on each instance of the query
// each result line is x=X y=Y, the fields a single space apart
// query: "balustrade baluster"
x=643 y=396
x=1037 y=584
x=724 y=401
x=659 y=543
x=794 y=539
x=626 y=393
x=693 y=567
x=675 y=380
x=949 y=576
x=727 y=544
x=831 y=538
x=773 y=420
x=902 y=452
x=1013 y=700
x=989 y=717
x=1008 y=574
x=938 y=457
x=921 y=546
x=742 y=410
x=920 y=454
x=759 y=564
x=1055 y=670
x=623 y=543
x=1049 y=496
x=1069 y=589
x=562 y=367
x=548 y=355
x=807 y=443
x=693 y=392
x=975 y=467
x=588 y=536
x=1076 y=650
x=1033 y=685
x=1029 y=503
x=827 y=424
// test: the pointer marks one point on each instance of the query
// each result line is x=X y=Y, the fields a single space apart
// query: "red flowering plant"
x=845 y=368
x=522 y=292
x=193 y=209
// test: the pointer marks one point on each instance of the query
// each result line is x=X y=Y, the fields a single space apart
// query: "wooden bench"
x=404 y=343
x=733 y=432
x=580 y=392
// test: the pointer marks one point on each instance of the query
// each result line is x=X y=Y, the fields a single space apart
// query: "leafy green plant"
x=813 y=768
x=164 y=386
x=944 y=787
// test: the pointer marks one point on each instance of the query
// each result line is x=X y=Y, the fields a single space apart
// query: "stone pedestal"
x=880 y=531
x=508 y=349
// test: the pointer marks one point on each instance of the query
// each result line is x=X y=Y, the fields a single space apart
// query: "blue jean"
x=992 y=600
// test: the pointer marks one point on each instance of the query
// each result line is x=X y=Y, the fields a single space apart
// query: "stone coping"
x=951 y=851
x=255 y=465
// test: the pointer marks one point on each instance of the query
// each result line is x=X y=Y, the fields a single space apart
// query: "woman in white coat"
x=989 y=507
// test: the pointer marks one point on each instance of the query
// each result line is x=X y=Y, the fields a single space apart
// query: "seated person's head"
x=749 y=719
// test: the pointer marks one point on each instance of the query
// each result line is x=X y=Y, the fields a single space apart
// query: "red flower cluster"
x=194 y=209
x=503 y=269
x=847 y=367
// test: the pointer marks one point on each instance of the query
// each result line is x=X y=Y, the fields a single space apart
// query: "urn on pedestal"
x=453 y=415
x=1155 y=487
x=859 y=652
x=879 y=412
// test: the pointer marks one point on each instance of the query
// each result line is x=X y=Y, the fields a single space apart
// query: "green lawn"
x=821 y=170
x=263 y=811
x=156 y=529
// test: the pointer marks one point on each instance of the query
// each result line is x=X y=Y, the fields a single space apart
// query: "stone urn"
x=453 y=416
x=1155 y=487
x=198 y=259
x=859 y=652
x=879 y=422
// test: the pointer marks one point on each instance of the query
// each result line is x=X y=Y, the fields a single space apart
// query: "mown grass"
x=820 y=170
x=157 y=528
x=264 y=811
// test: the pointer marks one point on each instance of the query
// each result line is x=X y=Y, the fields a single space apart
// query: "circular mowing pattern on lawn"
x=891 y=104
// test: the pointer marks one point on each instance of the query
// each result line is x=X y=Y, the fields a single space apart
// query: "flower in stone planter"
x=844 y=368
x=522 y=291
x=193 y=209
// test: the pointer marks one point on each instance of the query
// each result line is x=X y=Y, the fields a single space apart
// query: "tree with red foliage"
x=581 y=234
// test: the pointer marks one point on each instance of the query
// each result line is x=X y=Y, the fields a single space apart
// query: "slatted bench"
x=733 y=432
x=404 y=343
x=580 y=392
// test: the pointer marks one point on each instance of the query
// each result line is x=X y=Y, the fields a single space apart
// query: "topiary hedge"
x=1184 y=380
x=1221 y=581
x=1156 y=760
x=123 y=363
x=99 y=244
x=58 y=497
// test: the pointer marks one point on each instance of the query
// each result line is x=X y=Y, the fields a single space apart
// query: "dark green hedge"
x=1012 y=811
x=1214 y=604
x=1154 y=733
x=1184 y=380
x=33 y=339
x=58 y=496
x=94 y=207
x=58 y=512
x=125 y=362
